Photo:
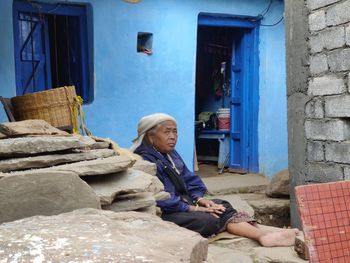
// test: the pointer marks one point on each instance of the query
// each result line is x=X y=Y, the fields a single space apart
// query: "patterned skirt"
x=205 y=223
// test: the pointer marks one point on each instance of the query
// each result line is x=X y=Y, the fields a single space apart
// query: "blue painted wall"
x=273 y=148
x=129 y=85
x=7 y=60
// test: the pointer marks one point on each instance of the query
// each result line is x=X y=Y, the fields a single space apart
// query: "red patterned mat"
x=324 y=211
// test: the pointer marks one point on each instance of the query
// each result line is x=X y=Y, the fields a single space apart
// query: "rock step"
x=91 y=235
x=235 y=183
x=49 y=160
x=269 y=211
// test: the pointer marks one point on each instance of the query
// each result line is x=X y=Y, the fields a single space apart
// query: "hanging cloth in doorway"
x=218 y=82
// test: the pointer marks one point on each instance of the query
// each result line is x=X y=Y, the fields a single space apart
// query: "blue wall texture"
x=129 y=85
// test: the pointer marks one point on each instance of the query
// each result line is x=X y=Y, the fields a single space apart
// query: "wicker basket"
x=53 y=106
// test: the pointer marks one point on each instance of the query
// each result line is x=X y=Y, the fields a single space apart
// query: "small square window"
x=144 y=42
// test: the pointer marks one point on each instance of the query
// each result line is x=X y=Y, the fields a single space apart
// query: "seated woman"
x=187 y=207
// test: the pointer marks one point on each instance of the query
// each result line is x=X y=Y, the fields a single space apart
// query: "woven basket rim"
x=44 y=91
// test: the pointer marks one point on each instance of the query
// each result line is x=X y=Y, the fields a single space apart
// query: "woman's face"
x=165 y=137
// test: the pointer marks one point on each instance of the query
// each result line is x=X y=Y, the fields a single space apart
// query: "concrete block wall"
x=318 y=90
x=327 y=122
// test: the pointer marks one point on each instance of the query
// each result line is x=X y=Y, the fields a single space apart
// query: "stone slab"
x=103 y=166
x=25 y=146
x=218 y=254
x=130 y=202
x=276 y=255
x=29 y=127
x=48 y=193
x=145 y=166
x=2 y=136
x=100 y=145
x=119 y=150
x=162 y=195
x=110 y=186
x=49 y=160
x=153 y=210
x=91 y=235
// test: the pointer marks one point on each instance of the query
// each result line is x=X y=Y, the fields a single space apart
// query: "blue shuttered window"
x=53 y=47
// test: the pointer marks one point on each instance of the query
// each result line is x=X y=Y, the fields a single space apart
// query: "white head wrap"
x=146 y=123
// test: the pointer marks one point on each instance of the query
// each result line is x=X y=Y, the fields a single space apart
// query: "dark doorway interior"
x=227 y=83
x=215 y=54
x=64 y=40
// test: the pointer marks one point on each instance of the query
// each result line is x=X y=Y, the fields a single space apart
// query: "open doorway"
x=227 y=92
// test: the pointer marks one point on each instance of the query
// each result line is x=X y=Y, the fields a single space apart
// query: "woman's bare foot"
x=282 y=238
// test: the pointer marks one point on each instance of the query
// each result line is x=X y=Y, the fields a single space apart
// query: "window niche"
x=144 y=42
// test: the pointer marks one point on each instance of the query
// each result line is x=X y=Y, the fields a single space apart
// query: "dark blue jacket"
x=193 y=183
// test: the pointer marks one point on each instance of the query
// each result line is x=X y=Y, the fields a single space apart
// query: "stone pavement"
x=244 y=250
x=246 y=193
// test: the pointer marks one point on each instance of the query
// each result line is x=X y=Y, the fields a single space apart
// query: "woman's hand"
x=210 y=204
x=211 y=211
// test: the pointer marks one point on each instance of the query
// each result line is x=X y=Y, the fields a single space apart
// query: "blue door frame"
x=244 y=90
x=84 y=14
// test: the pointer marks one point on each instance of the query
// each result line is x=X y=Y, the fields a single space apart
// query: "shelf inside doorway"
x=213 y=145
x=214 y=132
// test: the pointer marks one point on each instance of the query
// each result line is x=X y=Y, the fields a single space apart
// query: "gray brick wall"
x=314 y=108
x=338 y=13
x=315 y=151
x=339 y=60
x=318 y=64
x=338 y=152
x=327 y=129
x=317 y=20
x=337 y=106
x=327 y=112
x=324 y=172
x=314 y=4
x=326 y=85
x=318 y=79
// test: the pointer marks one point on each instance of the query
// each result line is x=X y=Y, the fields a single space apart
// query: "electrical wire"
x=266 y=10
x=39 y=7
x=261 y=15
x=274 y=24
x=54 y=9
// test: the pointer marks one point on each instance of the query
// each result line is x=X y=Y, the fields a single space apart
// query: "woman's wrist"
x=198 y=200
x=193 y=208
